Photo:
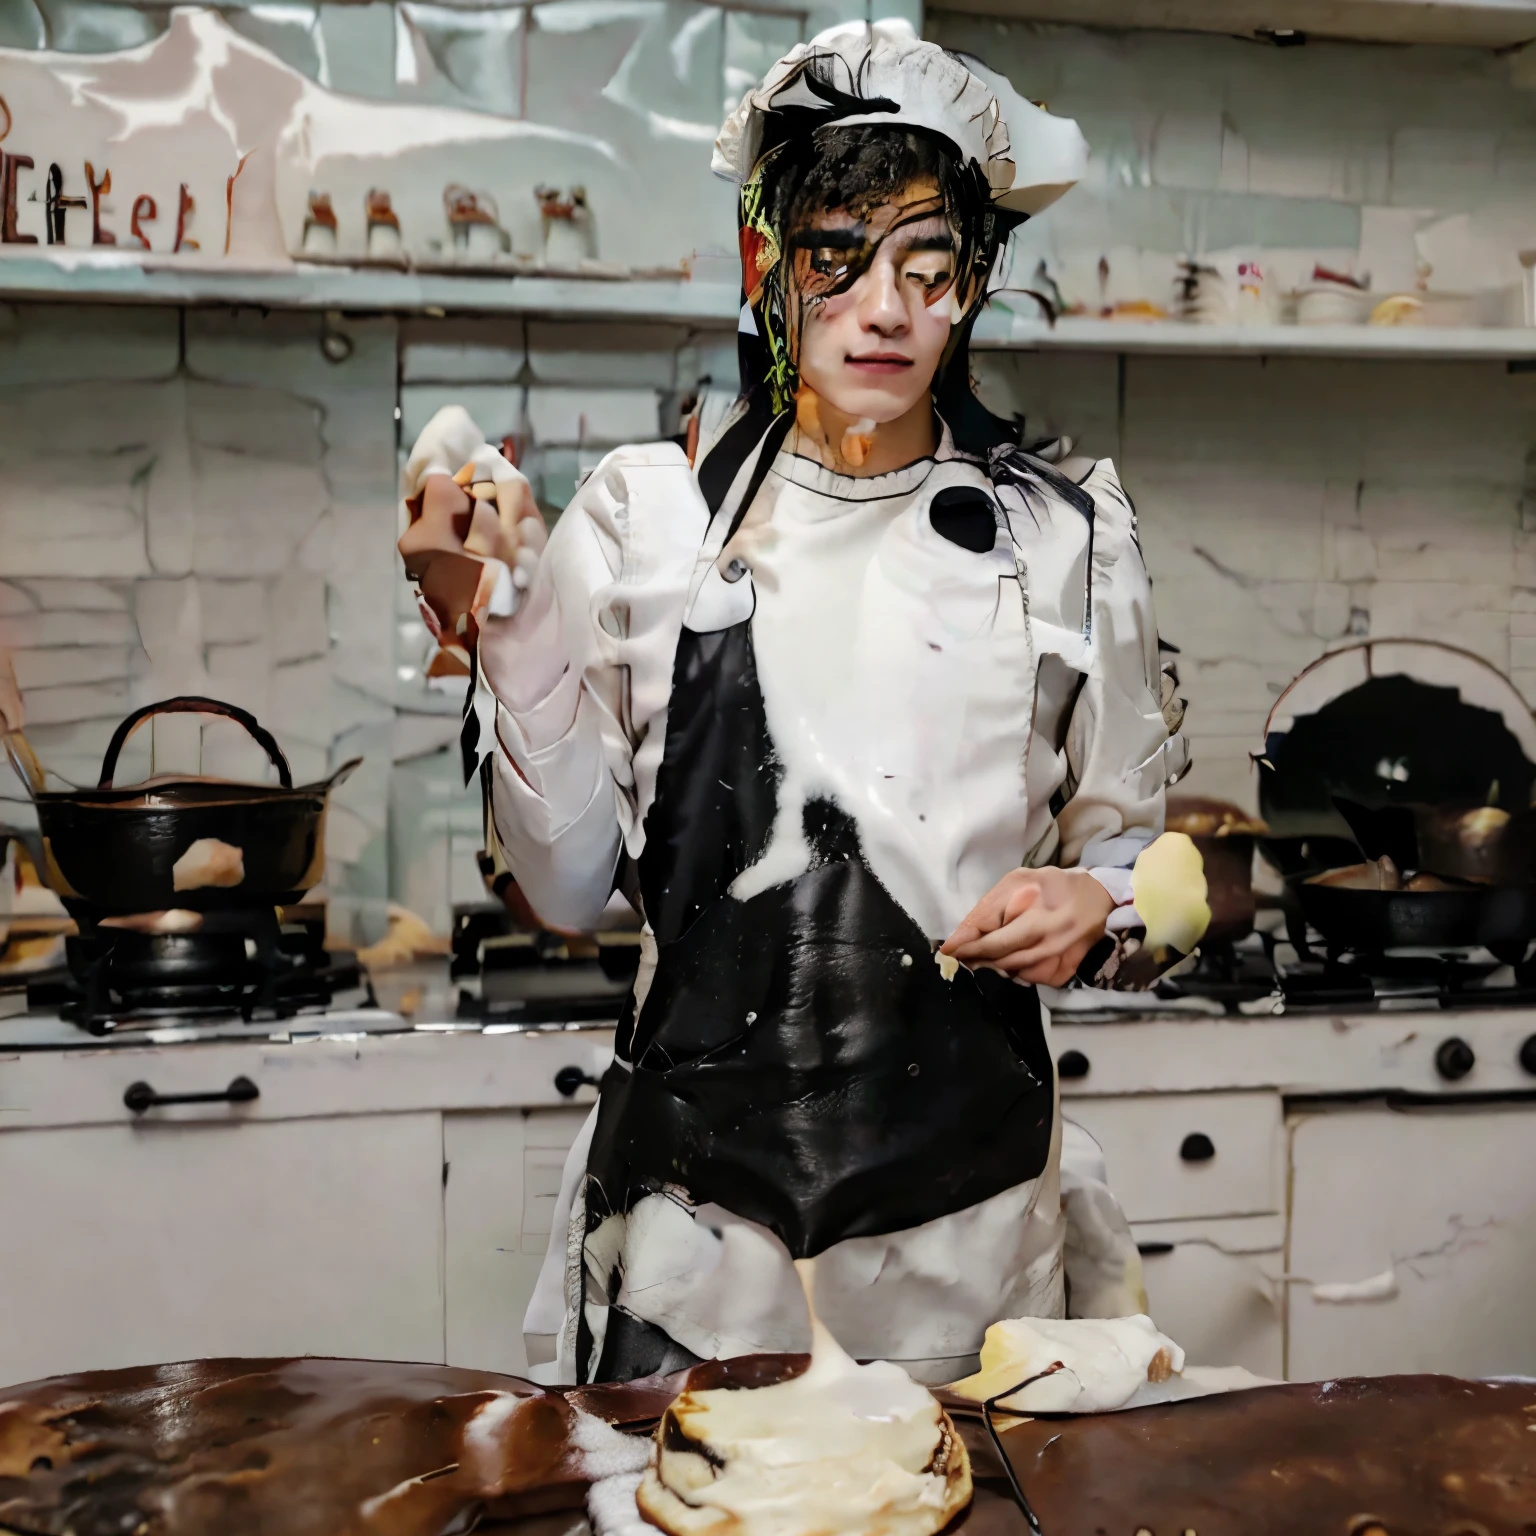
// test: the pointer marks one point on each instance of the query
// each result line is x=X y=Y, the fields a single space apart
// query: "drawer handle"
x=1072 y=1064
x=1197 y=1147
x=569 y=1079
x=1528 y=1054
x=140 y=1096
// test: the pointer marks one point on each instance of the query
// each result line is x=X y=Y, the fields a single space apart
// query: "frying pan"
x=113 y=851
x=1501 y=918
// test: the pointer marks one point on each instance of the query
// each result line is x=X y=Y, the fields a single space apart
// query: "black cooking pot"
x=205 y=845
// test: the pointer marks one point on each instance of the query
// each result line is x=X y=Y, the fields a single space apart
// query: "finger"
x=1045 y=964
x=1028 y=931
x=514 y=500
x=964 y=934
x=466 y=476
x=1026 y=893
x=488 y=537
x=494 y=594
x=991 y=911
x=1051 y=973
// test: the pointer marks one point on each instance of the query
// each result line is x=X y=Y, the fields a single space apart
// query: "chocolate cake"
x=316 y=1447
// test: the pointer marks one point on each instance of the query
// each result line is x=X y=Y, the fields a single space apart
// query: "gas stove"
x=509 y=975
x=1272 y=974
x=262 y=964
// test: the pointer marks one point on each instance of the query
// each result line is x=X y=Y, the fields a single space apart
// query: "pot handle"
x=191 y=704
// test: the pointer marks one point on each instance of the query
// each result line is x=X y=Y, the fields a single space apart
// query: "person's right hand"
x=474 y=529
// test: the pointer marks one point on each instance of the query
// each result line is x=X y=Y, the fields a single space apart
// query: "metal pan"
x=205 y=845
x=1502 y=919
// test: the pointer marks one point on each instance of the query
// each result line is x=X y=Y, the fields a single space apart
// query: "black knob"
x=1528 y=1054
x=569 y=1079
x=1454 y=1058
x=1072 y=1064
x=1197 y=1147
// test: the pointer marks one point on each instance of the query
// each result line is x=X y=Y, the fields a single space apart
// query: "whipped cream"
x=844 y=1447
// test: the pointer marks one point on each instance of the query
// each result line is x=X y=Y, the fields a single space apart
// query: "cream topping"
x=1100 y=1363
x=844 y=1447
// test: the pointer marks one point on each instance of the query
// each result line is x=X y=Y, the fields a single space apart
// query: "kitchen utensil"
x=24 y=760
x=198 y=844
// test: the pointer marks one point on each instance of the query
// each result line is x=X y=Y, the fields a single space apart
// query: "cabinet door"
x=1445 y=1198
x=138 y=1244
x=503 y=1171
x=1222 y=1307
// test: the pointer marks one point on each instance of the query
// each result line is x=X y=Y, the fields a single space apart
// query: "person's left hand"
x=1035 y=925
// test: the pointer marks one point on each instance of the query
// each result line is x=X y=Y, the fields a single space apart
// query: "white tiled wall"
x=1340 y=152
x=1287 y=505
x=202 y=504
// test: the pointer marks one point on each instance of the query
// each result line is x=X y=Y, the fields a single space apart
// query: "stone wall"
x=1290 y=505
x=202 y=503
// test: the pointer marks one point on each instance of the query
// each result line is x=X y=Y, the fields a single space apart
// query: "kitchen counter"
x=389 y=1189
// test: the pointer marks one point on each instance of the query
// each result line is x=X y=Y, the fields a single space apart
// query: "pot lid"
x=1392 y=723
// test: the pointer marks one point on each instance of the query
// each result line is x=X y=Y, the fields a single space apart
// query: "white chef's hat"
x=883 y=73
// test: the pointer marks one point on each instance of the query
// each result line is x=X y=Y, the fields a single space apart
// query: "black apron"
x=798 y=1057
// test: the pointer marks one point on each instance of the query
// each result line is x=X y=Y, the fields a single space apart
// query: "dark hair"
x=856 y=168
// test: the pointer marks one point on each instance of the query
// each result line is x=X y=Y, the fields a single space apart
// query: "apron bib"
x=798 y=1058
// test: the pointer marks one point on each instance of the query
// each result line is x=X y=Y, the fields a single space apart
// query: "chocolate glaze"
x=1412 y=1455
x=312 y=1447
x=305 y=1447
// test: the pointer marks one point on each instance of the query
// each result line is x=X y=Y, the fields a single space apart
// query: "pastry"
x=840 y=1447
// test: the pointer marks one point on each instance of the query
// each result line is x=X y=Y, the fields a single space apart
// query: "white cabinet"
x=386 y=1196
x=1446 y=1198
x=502 y=1174
x=1202 y=1178
x=1175 y=1156
x=134 y=1243
x=1215 y=1286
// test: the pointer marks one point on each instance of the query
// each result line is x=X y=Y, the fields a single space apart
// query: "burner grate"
x=237 y=964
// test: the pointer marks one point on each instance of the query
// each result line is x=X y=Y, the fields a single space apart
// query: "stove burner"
x=519 y=977
x=1229 y=974
x=235 y=963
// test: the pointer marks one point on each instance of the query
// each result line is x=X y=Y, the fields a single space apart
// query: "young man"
x=860 y=679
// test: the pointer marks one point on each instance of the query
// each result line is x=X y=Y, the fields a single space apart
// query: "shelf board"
x=91 y=277
x=113 y=277
x=1464 y=23
x=1000 y=332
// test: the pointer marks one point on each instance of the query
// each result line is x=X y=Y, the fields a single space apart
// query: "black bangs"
x=856 y=170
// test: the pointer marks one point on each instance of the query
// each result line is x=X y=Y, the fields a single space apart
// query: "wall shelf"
x=96 y=279
x=1170 y=337
x=1466 y=23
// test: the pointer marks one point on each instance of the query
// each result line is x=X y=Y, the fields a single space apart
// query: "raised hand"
x=1035 y=925
x=475 y=532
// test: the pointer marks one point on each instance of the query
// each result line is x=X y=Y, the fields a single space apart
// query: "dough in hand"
x=1171 y=896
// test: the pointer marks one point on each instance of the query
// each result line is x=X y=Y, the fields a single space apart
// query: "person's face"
x=875 y=300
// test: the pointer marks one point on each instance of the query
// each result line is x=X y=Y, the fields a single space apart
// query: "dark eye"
x=828 y=261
